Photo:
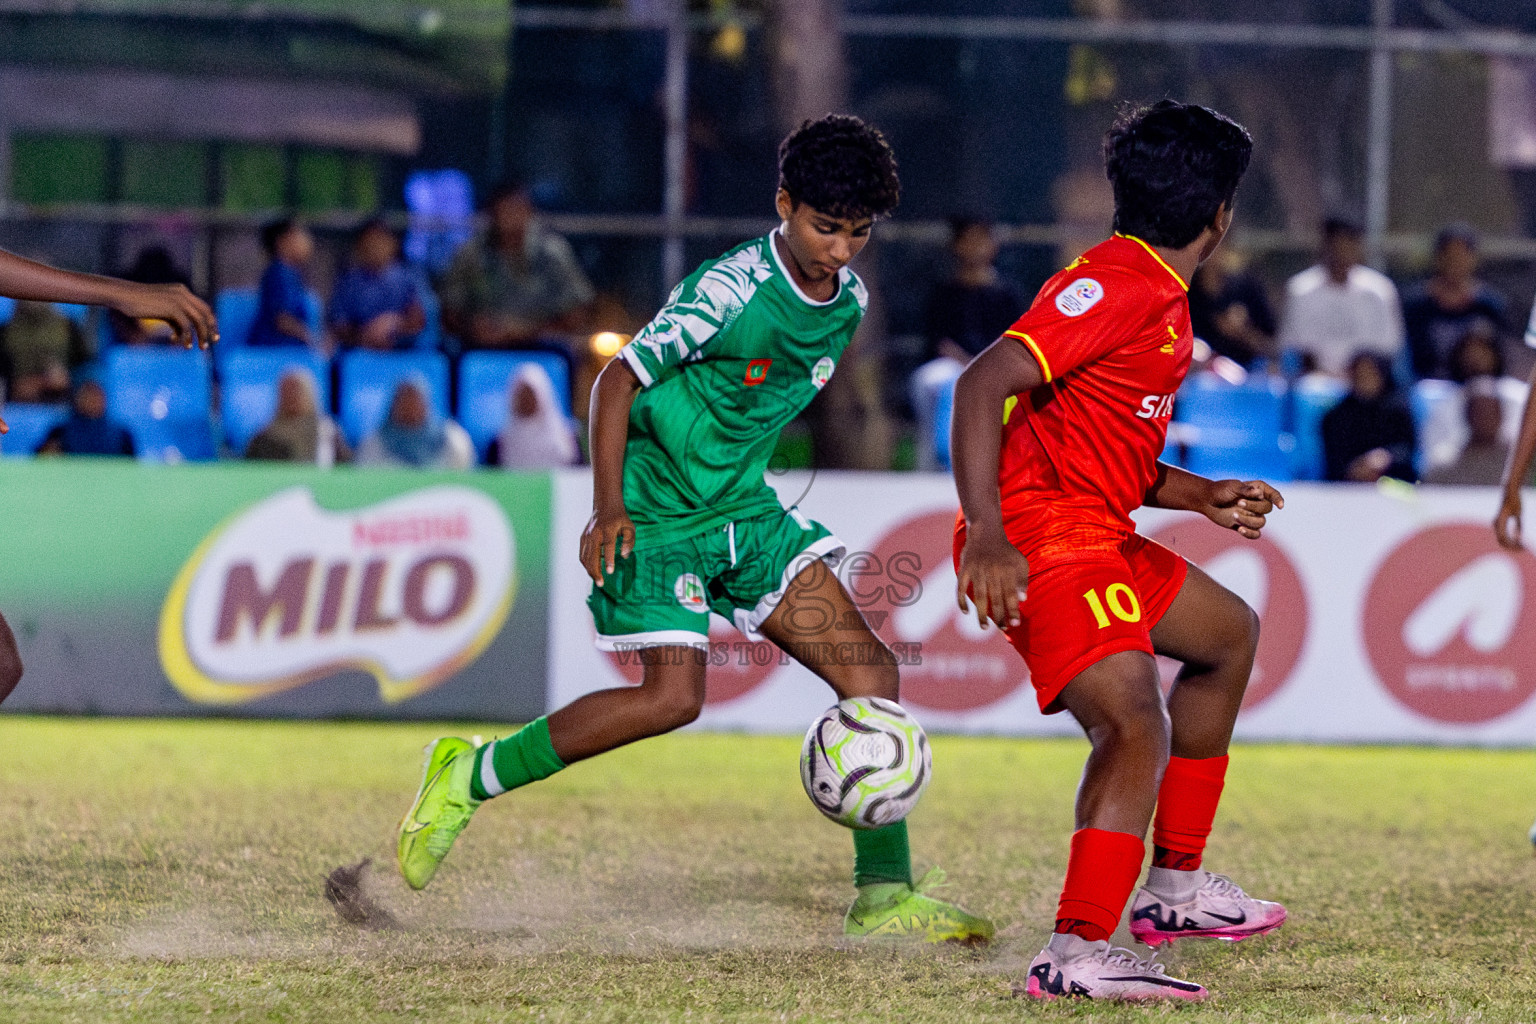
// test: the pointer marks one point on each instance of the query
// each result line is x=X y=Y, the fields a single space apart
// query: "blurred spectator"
x=282 y=313
x=1338 y=308
x=1451 y=304
x=414 y=436
x=516 y=283
x=1485 y=454
x=965 y=314
x=88 y=431
x=537 y=435
x=375 y=303
x=41 y=346
x=299 y=431
x=154 y=265
x=1370 y=433
x=1475 y=354
x=1230 y=311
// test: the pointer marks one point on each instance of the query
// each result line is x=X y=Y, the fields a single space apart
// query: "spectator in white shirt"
x=1339 y=307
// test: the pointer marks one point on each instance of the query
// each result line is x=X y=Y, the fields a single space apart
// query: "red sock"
x=1186 y=807
x=1101 y=873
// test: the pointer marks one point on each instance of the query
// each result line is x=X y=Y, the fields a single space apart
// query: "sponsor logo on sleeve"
x=285 y=592
x=1079 y=297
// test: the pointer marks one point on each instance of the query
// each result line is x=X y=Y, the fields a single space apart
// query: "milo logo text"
x=286 y=592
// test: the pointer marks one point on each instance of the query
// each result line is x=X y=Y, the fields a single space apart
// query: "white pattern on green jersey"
x=737 y=352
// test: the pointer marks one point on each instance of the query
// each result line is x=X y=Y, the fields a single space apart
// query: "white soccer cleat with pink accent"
x=1218 y=910
x=1095 y=970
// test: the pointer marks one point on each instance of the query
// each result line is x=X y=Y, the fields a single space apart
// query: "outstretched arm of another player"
x=1241 y=505
x=189 y=316
x=610 y=535
x=992 y=572
x=1506 y=525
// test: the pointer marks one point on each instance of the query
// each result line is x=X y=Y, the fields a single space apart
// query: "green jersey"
x=737 y=352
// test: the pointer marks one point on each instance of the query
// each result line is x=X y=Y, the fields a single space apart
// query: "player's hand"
x=609 y=536
x=1242 y=505
x=994 y=575
x=191 y=320
x=1506 y=525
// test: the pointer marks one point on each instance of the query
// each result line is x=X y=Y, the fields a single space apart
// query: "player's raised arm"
x=189 y=316
x=1241 y=505
x=991 y=571
x=610 y=534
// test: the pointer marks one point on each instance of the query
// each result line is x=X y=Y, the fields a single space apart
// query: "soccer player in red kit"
x=1057 y=431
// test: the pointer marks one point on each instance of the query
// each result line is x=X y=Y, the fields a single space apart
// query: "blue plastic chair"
x=1311 y=399
x=1235 y=430
x=173 y=441
x=484 y=379
x=368 y=381
x=236 y=311
x=30 y=425
x=943 y=413
x=249 y=387
x=1439 y=420
x=164 y=397
x=430 y=337
x=314 y=315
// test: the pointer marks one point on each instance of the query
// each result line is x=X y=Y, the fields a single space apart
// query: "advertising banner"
x=273 y=590
x=1387 y=616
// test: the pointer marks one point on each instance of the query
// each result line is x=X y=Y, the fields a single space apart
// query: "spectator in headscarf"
x=414 y=435
x=88 y=431
x=1370 y=433
x=41 y=346
x=537 y=435
x=299 y=431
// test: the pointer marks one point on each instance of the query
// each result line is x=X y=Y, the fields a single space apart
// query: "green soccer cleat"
x=443 y=807
x=908 y=911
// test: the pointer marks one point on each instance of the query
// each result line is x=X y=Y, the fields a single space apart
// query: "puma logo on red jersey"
x=1156 y=407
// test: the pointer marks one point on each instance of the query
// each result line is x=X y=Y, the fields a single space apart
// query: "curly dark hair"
x=1173 y=165
x=841 y=166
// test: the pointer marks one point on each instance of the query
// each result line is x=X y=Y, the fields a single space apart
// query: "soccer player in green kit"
x=683 y=422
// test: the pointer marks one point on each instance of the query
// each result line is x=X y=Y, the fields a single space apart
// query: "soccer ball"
x=865 y=762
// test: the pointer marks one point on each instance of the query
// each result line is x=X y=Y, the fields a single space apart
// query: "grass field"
x=171 y=871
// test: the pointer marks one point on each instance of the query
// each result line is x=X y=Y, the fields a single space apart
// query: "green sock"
x=882 y=855
x=525 y=756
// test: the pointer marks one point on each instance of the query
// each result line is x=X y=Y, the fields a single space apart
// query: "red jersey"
x=1113 y=339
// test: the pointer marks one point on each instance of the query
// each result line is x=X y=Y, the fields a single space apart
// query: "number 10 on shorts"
x=1119 y=598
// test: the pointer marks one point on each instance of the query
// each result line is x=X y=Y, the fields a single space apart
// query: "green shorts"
x=660 y=596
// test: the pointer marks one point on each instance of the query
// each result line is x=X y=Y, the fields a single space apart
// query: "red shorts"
x=1076 y=614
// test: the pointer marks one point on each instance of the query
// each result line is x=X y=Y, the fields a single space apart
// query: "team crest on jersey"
x=1079 y=297
x=757 y=372
x=689 y=590
x=822 y=372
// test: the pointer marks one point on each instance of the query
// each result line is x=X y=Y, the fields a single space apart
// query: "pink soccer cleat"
x=1095 y=970
x=1219 y=910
